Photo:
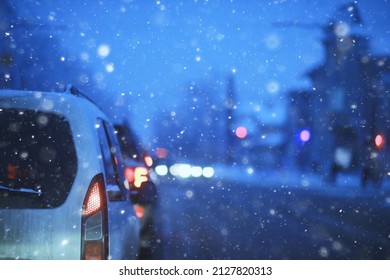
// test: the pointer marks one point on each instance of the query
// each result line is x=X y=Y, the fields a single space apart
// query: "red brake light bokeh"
x=148 y=160
x=379 y=141
x=137 y=176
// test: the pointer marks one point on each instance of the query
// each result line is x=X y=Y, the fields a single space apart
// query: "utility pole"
x=229 y=107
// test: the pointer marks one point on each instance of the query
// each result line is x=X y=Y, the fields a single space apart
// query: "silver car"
x=62 y=190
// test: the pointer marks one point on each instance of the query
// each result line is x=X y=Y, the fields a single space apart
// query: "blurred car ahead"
x=62 y=189
x=139 y=174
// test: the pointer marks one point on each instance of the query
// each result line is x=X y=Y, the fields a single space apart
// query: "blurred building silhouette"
x=348 y=103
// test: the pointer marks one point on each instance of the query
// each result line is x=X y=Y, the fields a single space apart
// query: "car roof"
x=59 y=102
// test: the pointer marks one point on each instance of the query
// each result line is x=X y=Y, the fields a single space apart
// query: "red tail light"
x=139 y=210
x=94 y=227
x=129 y=174
x=137 y=176
x=379 y=141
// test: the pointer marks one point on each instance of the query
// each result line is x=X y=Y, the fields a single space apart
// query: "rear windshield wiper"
x=25 y=191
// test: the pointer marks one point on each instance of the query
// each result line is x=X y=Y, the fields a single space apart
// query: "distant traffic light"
x=241 y=132
x=379 y=141
x=304 y=135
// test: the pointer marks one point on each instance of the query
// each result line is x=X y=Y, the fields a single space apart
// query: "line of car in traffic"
x=73 y=185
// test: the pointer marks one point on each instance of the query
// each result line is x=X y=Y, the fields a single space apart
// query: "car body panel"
x=54 y=233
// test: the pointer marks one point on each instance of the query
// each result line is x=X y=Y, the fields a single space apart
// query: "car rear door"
x=123 y=225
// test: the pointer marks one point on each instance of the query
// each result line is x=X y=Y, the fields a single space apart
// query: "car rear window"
x=38 y=160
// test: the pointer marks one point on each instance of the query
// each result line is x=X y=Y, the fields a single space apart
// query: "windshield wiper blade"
x=26 y=191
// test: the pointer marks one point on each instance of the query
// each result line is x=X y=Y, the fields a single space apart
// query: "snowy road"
x=274 y=219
